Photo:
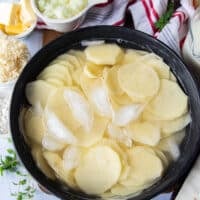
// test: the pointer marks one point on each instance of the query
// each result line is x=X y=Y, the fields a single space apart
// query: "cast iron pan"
x=126 y=38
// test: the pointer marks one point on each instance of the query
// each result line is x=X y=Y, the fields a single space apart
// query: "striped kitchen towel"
x=145 y=13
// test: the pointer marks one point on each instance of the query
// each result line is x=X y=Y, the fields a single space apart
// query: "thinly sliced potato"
x=170 y=103
x=123 y=99
x=104 y=166
x=80 y=55
x=122 y=154
x=71 y=59
x=122 y=190
x=146 y=167
x=148 y=116
x=140 y=82
x=156 y=62
x=131 y=56
x=87 y=139
x=163 y=157
x=172 y=126
x=38 y=92
x=51 y=69
x=57 y=105
x=56 y=163
x=92 y=70
x=172 y=77
x=37 y=154
x=55 y=82
x=34 y=126
x=57 y=72
x=116 y=147
x=72 y=156
x=145 y=133
x=119 y=134
x=111 y=81
x=104 y=54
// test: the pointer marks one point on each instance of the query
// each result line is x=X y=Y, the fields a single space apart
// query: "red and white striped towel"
x=144 y=14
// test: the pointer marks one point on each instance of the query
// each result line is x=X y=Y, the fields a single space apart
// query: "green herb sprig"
x=164 y=19
x=9 y=163
x=25 y=190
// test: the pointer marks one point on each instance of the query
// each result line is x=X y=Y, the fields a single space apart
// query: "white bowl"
x=65 y=25
x=23 y=34
x=27 y=32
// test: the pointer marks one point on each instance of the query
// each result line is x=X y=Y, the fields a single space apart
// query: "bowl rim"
x=167 y=183
x=26 y=32
x=59 y=21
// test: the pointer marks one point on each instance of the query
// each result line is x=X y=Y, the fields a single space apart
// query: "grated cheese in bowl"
x=14 y=55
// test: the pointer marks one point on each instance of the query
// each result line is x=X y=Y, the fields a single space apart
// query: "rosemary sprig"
x=164 y=19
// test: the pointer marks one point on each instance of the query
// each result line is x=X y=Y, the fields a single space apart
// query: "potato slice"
x=80 y=108
x=163 y=157
x=56 y=71
x=55 y=82
x=57 y=105
x=34 y=126
x=140 y=82
x=104 y=166
x=92 y=70
x=97 y=95
x=53 y=68
x=172 y=77
x=125 y=190
x=37 y=154
x=148 y=116
x=72 y=156
x=131 y=56
x=146 y=167
x=111 y=81
x=156 y=62
x=145 y=133
x=119 y=134
x=52 y=144
x=122 y=154
x=172 y=126
x=38 y=92
x=170 y=103
x=59 y=61
x=80 y=55
x=104 y=54
x=86 y=139
x=71 y=59
x=123 y=99
x=116 y=147
x=56 y=163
